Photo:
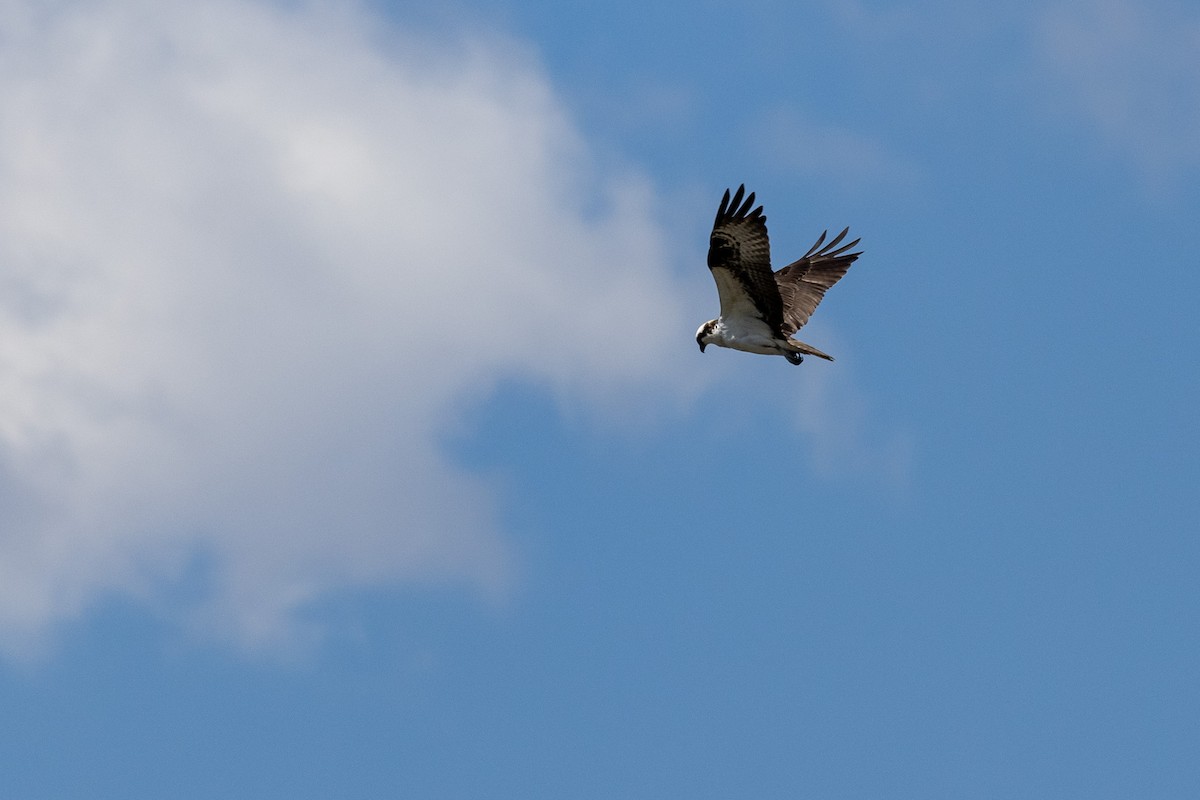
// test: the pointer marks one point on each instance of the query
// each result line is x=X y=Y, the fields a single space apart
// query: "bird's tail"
x=797 y=346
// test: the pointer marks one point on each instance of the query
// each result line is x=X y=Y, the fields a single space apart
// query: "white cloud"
x=1131 y=70
x=253 y=262
x=256 y=262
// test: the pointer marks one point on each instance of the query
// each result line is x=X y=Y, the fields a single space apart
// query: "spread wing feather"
x=739 y=255
x=803 y=283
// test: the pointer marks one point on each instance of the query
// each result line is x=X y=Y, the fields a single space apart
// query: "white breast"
x=746 y=333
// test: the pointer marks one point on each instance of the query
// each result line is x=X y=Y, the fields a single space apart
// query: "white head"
x=704 y=335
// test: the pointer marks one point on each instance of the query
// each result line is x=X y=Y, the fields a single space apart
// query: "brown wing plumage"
x=802 y=283
x=739 y=255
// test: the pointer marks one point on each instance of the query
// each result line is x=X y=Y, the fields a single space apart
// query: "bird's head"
x=704 y=332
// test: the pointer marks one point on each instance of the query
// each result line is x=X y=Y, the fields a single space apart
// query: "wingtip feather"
x=722 y=209
x=816 y=245
x=739 y=205
x=737 y=197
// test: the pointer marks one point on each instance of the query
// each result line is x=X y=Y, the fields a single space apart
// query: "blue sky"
x=354 y=441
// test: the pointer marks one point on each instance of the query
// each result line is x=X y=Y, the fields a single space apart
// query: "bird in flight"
x=761 y=309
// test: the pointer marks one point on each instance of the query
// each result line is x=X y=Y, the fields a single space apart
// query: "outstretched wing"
x=739 y=255
x=802 y=283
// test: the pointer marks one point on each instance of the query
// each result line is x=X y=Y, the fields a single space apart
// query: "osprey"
x=760 y=309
